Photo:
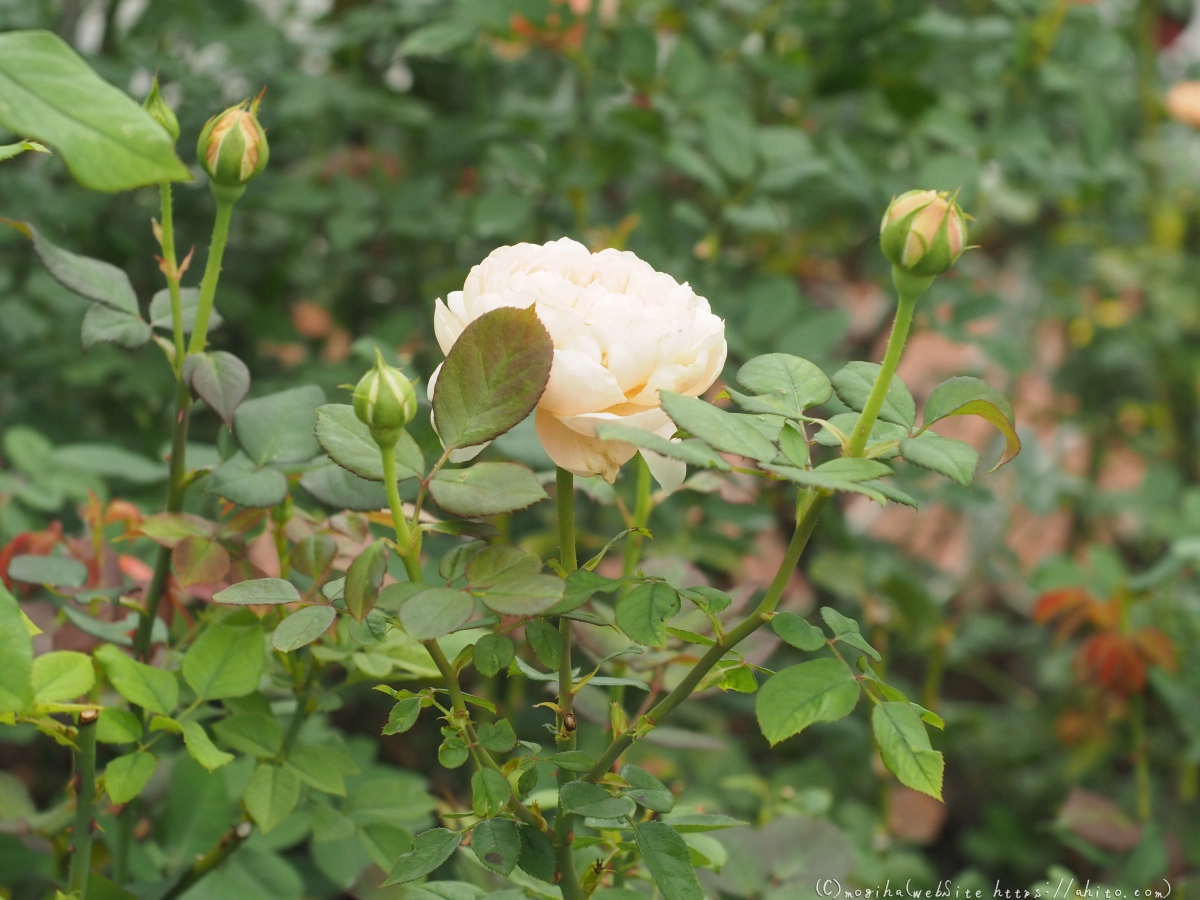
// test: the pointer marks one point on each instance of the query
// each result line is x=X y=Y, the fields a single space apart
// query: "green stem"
x=409 y=552
x=910 y=288
x=226 y=198
x=172 y=273
x=229 y=842
x=565 y=738
x=1141 y=758
x=812 y=504
x=641 y=515
x=85 y=802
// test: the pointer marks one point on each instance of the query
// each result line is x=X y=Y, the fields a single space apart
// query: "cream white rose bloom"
x=622 y=332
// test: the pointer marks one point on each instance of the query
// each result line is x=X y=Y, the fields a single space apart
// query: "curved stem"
x=229 y=842
x=812 y=504
x=226 y=197
x=910 y=288
x=85 y=802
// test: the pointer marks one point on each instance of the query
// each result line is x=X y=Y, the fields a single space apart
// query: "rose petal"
x=580 y=455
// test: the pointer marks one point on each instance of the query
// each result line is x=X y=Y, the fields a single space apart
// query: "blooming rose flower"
x=622 y=332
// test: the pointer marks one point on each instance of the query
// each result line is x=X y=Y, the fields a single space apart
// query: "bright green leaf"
x=905 y=749
x=822 y=690
x=142 y=685
x=125 y=776
x=643 y=613
x=271 y=795
x=61 y=676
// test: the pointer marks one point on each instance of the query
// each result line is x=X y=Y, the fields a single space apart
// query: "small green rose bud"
x=384 y=401
x=923 y=232
x=161 y=112
x=233 y=146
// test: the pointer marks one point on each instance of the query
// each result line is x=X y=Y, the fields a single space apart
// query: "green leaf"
x=587 y=799
x=853 y=469
x=140 y=684
x=53 y=571
x=162 y=317
x=946 y=456
x=454 y=562
x=529 y=595
x=239 y=479
x=302 y=627
x=109 y=462
x=403 y=716
x=103 y=325
x=227 y=659
x=579 y=587
x=496 y=844
x=322 y=767
x=220 y=379
x=258 y=734
x=278 y=428
x=497 y=736
x=271 y=795
x=453 y=753
x=92 y=279
x=840 y=625
x=435 y=612
x=258 y=591
x=364 y=578
x=905 y=749
x=822 y=690
x=108 y=142
x=643 y=613
x=572 y=760
x=546 y=642
x=199 y=561
x=492 y=378
x=853 y=384
x=709 y=599
x=669 y=860
x=693 y=452
x=349 y=444
x=16 y=649
x=783 y=384
x=537 y=854
x=61 y=676
x=492 y=653
x=963 y=396
x=430 y=849
x=489 y=793
x=125 y=776
x=798 y=632
x=647 y=790
x=340 y=489
x=721 y=429
x=494 y=564
x=202 y=749
x=814 y=479
x=691 y=823
x=794 y=445
x=118 y=726
x=485 y=489
x=438 y=38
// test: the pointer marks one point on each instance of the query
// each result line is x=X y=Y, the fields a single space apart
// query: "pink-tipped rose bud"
x=233 y=146
x=923 y=232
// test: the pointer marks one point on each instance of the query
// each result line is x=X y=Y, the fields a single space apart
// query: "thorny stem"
x=229 y=842
x=565 y=739
x=85 y=802
x=812 y=504
x=172 y=273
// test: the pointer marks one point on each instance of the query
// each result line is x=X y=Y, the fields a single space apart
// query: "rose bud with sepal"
x=385 y=401
x=923 y=232
x=232 y=148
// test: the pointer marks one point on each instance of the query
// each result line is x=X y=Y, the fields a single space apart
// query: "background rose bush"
x=746 y=149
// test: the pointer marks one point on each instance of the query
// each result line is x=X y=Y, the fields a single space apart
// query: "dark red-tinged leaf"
x=493 y=377
x=199 y=561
